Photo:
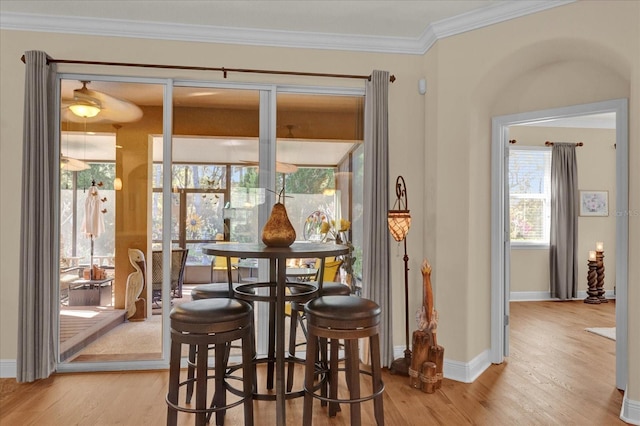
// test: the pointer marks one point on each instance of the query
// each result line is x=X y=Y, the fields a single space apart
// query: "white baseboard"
x=465 y=372
x=8 y=368
x=538 y=296
x=630 y=411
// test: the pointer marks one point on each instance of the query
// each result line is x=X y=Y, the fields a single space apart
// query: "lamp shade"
x=399 y=222
x=84 y=109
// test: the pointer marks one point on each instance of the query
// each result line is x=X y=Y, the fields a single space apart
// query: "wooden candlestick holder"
x=592 y=282
x=600 y=276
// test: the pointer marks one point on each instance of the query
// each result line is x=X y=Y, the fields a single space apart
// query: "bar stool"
x=204 y=291
x=346 y=318
x=297 y=308
x=215 y=322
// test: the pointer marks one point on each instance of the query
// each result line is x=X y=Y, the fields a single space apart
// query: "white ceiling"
x=383 y=26
x=380 y=18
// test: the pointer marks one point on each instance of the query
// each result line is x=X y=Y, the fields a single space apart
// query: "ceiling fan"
x=73 y=164
x=69 y=163
x=280 y=166
x=97 y=107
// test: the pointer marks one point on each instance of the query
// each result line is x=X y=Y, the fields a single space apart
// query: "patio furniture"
x=178 y=263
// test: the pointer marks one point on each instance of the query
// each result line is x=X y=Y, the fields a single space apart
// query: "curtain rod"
x=547 y=143
x=224 y=70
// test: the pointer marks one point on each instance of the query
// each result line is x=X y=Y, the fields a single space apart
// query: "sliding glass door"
x=227 y=149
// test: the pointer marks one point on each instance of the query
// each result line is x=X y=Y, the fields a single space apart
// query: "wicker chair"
x=178 y=263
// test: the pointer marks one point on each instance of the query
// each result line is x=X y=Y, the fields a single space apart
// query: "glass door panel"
x=317 y=138
x=215 y=157
x=105 y=304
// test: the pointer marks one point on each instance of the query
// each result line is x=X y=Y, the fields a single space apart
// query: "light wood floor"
x=557 y=374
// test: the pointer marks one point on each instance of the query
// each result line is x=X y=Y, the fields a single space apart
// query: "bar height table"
x=278 y=266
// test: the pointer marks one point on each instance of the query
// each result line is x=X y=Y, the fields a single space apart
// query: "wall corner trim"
x=630 y=411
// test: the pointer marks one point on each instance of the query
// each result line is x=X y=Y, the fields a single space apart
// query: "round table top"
x=260 y=251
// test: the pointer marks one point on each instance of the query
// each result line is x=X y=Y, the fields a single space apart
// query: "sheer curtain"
x=37 y=322
x=564 y=221
x=375 y=272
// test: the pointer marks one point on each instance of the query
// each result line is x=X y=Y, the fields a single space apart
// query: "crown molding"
x=490 y=15
x=276 y=38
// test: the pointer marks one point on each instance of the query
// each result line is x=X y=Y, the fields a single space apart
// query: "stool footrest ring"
x=347 y=401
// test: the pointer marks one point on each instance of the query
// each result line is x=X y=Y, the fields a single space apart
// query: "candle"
x=592 y=255
x=599 y=246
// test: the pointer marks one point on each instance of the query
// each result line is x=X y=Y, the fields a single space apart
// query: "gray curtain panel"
x=375 y=274
x=37 y=321
x=564 y=222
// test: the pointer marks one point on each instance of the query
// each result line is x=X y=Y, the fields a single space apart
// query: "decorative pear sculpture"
x=278 y=231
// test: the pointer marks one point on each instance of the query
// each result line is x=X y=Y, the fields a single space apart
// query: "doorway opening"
x=500 y=225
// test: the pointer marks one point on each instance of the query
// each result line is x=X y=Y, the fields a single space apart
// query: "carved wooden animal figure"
x=135 y=284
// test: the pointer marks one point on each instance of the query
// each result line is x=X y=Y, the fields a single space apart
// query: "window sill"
x=522 y=246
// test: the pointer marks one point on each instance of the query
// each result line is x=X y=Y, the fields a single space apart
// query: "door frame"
x=500 y=227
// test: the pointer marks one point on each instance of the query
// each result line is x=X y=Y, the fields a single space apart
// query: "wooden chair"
x=178 y=263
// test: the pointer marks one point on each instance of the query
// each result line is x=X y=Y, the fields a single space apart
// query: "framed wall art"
x=594 y=203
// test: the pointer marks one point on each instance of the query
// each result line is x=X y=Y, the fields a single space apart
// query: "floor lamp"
x=399 y=221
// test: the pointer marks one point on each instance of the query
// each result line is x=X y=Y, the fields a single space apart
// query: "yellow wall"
x=578 y=53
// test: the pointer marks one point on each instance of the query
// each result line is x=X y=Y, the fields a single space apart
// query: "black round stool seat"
x=211 y=291
x=210 y=315
x=342 y=311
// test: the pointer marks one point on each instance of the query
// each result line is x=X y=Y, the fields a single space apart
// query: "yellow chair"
x=220 y=264
x=331 y=268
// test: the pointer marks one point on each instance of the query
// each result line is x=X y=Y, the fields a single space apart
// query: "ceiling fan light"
x=84 y=109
